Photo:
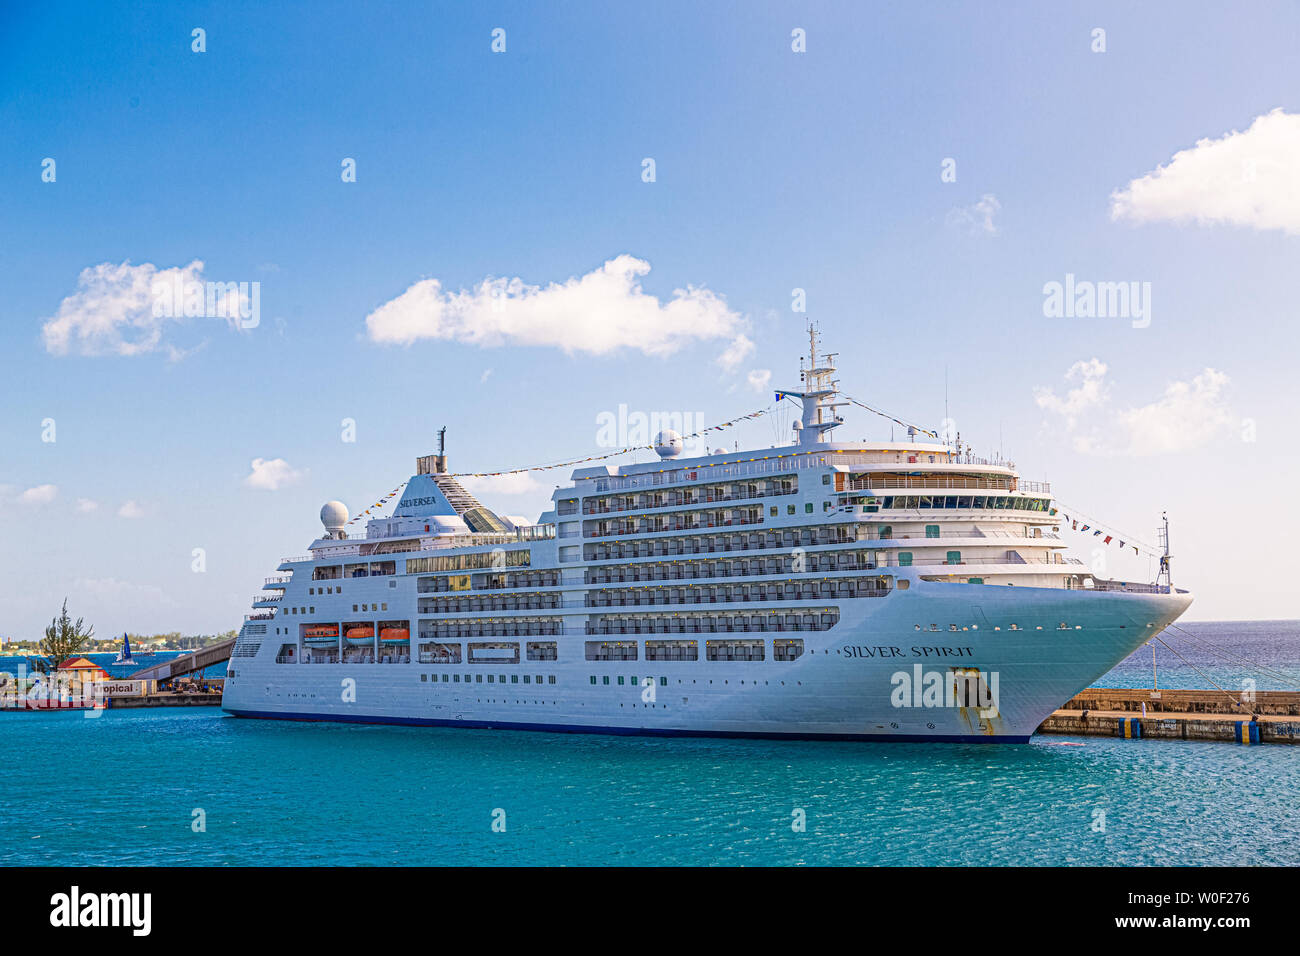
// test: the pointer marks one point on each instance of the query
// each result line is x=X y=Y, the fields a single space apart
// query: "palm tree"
x=65 y=639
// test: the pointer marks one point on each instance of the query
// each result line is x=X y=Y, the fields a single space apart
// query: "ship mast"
x=1165 y=575
x=819 y=396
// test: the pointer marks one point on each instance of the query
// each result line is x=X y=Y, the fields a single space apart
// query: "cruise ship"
x=877 y=591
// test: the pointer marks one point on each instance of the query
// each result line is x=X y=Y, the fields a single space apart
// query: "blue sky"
x=774 y=170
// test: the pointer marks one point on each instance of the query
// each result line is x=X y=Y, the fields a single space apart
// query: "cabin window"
x=808 y=508
x=611 y=651
x=789 y=509
x=954 y=557
x=787 y=649
x=905 y=559
x=671 y=651
x=737 y=650
x=932 y=531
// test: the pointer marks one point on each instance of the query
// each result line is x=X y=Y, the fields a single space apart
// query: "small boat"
x=360 y=634
x=124 y=655
x=321 y=635
x=395 y=635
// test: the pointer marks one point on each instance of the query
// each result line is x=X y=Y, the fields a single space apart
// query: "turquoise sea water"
x=123 y=788
x=1208 y=653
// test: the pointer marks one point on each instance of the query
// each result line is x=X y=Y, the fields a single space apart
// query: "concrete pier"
x=166 y=700
x=1179 y=715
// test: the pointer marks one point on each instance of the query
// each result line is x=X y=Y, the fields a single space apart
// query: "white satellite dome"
x=334 y=515
x=668 y=444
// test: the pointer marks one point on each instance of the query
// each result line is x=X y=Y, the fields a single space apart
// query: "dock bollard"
x=1247 y=732
x=1129 y=728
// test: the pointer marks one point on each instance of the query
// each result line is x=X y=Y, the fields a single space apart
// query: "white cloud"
x=487 y=486
x=86 y=505
x=484 y=377
x=272 y=474
x=740 y=349
x=759 y=378
x=112 y=310
x=1189 y=415
x=1243 y=179
x=599 y=312
x=1091 y=391
x=125 y=309
x=40 y=495
x=130 y=509
x=977 y=219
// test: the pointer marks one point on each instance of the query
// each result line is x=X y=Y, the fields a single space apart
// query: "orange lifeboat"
x=321 y=631
x=394 y=634
x=360 y=633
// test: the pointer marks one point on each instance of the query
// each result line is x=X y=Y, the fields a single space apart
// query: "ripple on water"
x=289 y=793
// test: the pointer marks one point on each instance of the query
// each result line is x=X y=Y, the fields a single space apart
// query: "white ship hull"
x=845 y=686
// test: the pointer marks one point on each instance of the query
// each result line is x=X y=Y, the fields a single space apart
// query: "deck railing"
x=872 y=483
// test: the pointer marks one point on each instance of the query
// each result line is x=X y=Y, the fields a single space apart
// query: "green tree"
x=64 y=638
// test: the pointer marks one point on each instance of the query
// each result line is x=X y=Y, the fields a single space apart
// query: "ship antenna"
x=1165 y=559
x=947 y=422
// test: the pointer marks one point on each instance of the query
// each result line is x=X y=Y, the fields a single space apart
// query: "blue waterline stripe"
x=631 y=731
